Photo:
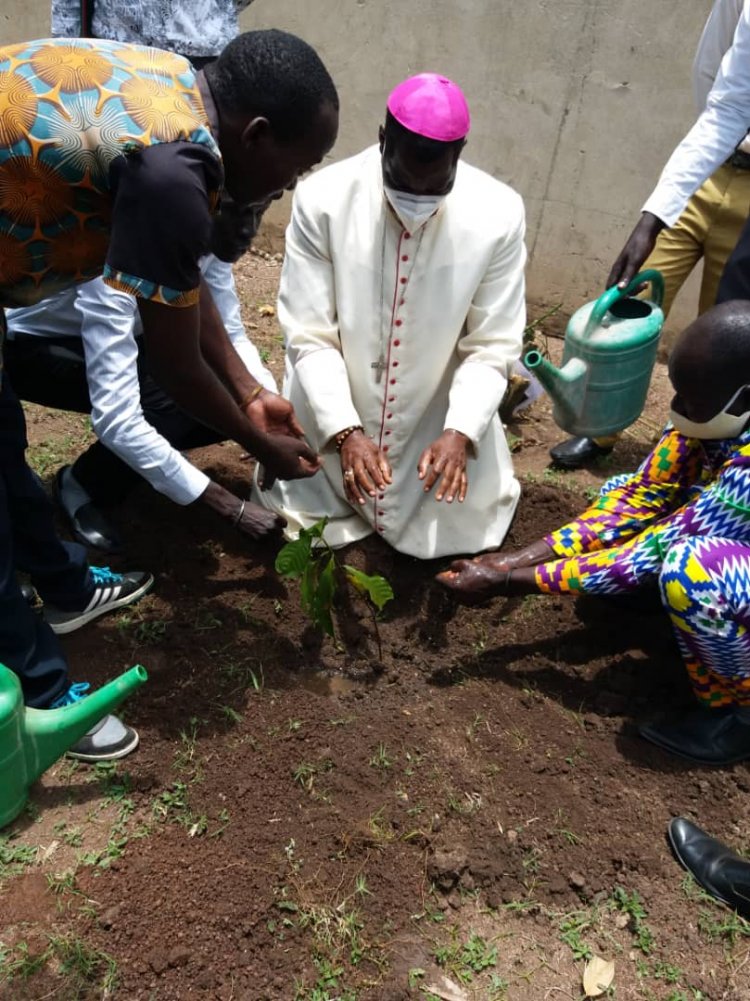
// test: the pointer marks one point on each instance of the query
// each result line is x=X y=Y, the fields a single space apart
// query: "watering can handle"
x=610 y=297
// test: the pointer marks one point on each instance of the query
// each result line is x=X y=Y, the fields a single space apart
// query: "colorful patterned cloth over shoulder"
x=684 y=488
x=69 y=111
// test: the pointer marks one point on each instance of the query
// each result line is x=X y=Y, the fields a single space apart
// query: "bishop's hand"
x=365 y=470
x=445 y=460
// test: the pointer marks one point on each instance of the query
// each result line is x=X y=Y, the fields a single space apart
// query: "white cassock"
x=443 y=308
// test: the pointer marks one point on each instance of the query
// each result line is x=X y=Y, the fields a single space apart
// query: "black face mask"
x=234 y=229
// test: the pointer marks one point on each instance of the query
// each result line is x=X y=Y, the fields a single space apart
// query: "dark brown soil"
x=314 y=820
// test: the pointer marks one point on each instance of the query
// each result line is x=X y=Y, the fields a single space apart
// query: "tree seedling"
x=310 y=560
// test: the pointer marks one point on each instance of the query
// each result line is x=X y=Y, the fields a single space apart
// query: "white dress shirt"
x=716 y=39
x=108 y=323
x=720 y=127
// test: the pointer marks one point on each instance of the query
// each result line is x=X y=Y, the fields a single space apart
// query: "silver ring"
x=348 y=474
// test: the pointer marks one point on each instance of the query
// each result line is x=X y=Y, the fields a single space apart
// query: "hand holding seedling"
x=287 y=455
x=273 y=414
x=246 y=517
x=446 y=458
x=364 y=468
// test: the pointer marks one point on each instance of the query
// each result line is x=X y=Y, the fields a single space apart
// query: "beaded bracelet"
x=251 y=396
x=343 y=435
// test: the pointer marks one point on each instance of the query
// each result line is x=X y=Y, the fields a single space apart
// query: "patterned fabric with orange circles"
x=68 y=110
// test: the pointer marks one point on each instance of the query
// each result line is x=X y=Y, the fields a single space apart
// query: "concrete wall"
x=576 y=103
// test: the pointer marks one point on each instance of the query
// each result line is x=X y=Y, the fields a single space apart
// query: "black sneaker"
x=111 y=591
x=109 y=740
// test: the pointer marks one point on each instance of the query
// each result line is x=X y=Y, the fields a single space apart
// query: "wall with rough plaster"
x=576 y=103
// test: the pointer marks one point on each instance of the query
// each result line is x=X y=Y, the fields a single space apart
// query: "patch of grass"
x=722 y=925
x=86 y=971
x=305 y=773
x=380 y=758
x=465 y=805
x=631 y=904
x=47 y=456
x=464 y=960
x=572 y=927
x=171 y=803
x=15 y=857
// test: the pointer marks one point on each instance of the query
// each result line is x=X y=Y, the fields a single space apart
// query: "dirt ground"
x=468 y=814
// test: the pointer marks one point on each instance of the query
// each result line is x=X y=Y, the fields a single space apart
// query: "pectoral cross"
x=379 y=366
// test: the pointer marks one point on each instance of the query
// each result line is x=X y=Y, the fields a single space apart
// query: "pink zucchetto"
x=432 y=106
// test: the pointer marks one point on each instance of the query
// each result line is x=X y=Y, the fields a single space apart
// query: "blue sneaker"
x=111 y=590
x=74 y=694
x=108 y=740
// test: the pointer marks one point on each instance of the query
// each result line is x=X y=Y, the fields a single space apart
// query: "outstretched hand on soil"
x=495 y=573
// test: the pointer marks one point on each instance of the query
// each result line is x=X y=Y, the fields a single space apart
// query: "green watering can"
x=33 y=739
x=610 y=350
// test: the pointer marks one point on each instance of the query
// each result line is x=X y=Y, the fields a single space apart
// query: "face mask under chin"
x=413 y=210
x=723 y=425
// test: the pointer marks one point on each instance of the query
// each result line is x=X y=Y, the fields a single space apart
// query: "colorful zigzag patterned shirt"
x=107 y=166
x=685 y=488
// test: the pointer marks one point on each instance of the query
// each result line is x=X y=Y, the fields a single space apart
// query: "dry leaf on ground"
x=598 y=976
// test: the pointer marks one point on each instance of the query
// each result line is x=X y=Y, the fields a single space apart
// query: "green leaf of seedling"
x=377 y=588
x=307 y=587
x=294 y=558
x=314 y=531
x=323 y=598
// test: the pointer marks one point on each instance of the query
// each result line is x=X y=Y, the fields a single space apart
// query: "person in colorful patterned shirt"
x=112 y=161
x=81 y=350
x=682 y=523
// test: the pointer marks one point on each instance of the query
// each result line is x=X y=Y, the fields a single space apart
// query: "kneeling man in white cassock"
x=402 y=304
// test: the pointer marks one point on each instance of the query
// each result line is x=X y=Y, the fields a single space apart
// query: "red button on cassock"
x=398 y=323
x=403 y=281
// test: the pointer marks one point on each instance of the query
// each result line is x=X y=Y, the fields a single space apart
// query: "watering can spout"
x=49 y=733
x=566 y=385
x=33 y=739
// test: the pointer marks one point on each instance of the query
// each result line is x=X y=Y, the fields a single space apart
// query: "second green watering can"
x=610 y=350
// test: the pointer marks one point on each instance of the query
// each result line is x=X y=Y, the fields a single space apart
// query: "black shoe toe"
x=714 y=866
x=89 y=525
x=93 y=529
x=706 y=736
x=576 y=452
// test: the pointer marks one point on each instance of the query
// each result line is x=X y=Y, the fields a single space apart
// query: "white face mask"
x=413 y=210
x=723 y=425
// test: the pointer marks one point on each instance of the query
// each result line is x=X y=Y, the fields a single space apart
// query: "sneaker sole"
x=111 y=756
x=60 y=628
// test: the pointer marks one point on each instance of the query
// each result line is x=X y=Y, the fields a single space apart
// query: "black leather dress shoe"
x=576 y=452
x=719 y=870
x=708 y=736
x=87 y=522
